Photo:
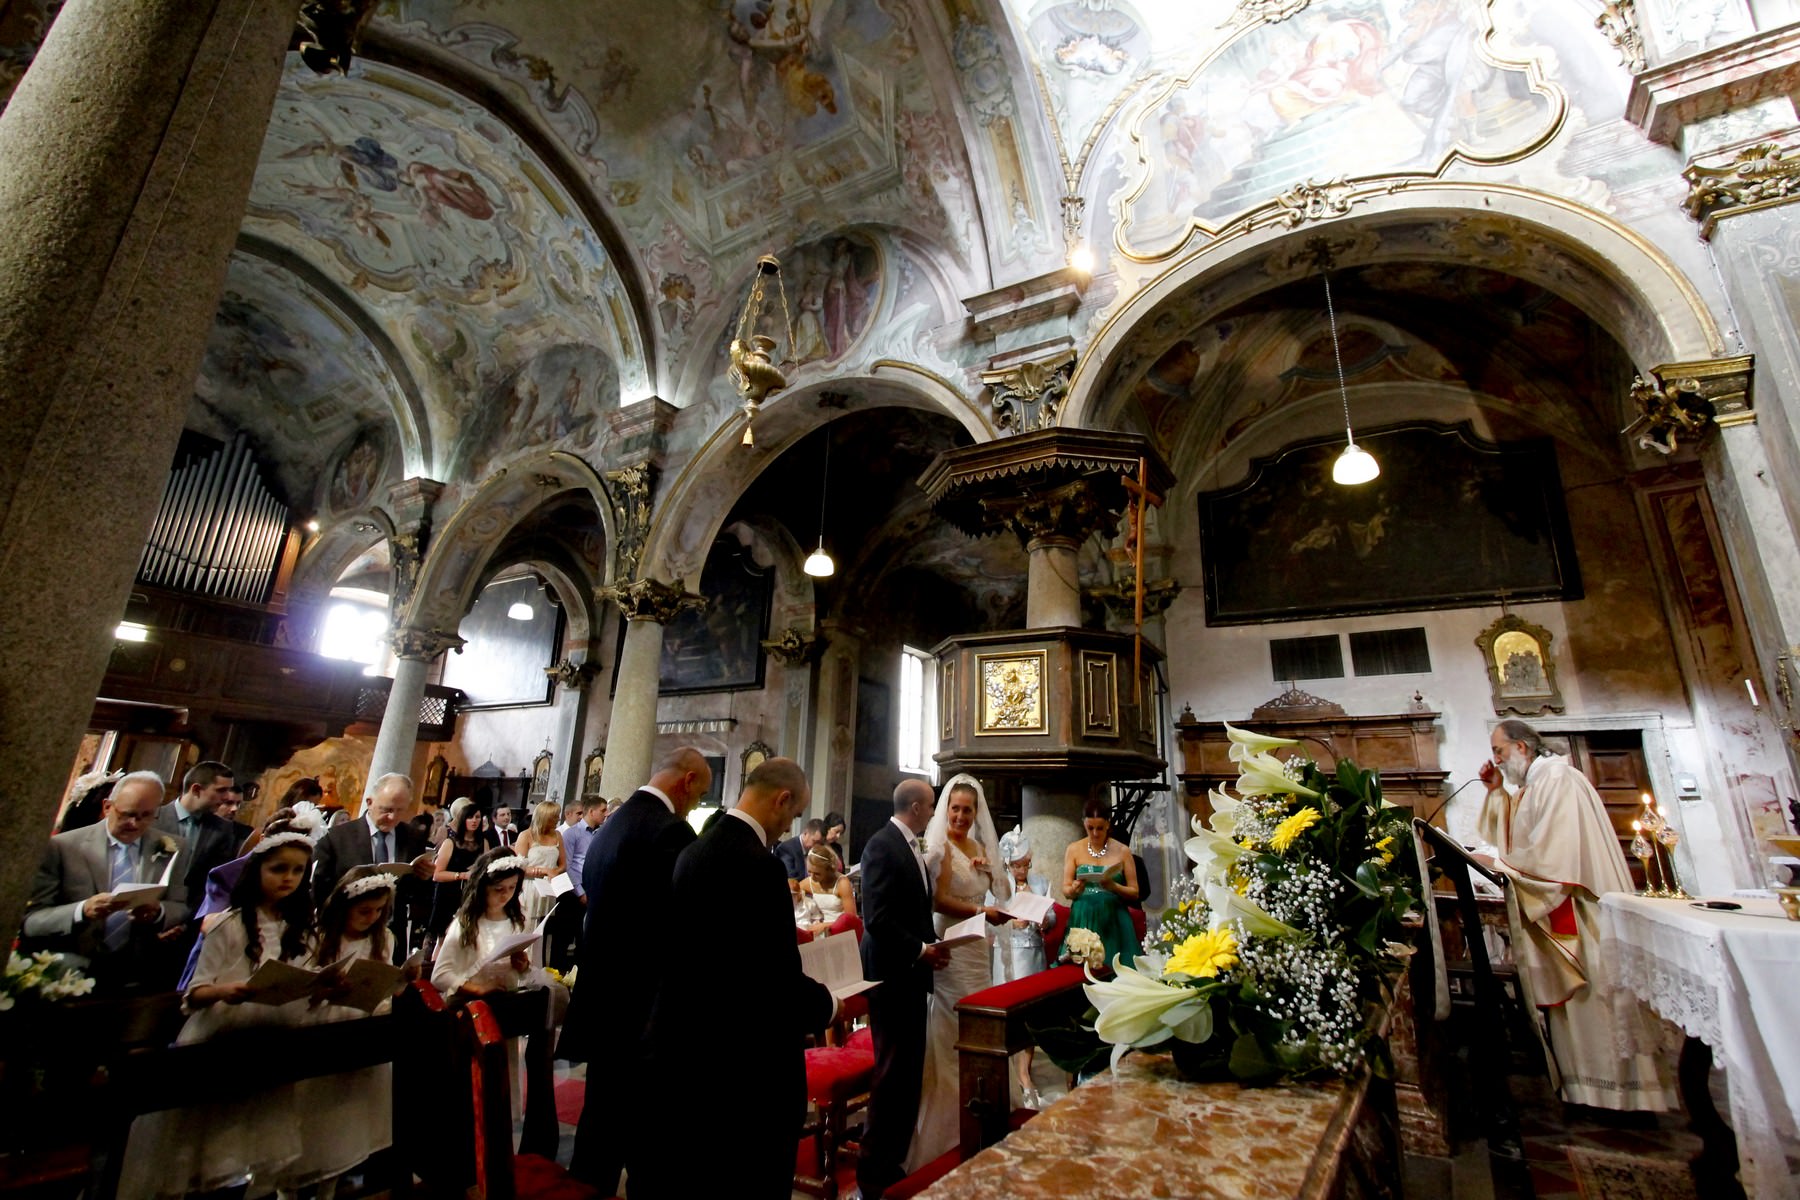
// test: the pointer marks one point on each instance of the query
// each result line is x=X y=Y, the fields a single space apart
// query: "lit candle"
x=1637 y=827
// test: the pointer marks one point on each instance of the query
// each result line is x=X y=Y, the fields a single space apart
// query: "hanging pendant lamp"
x=818 y=564
x=1353 y=465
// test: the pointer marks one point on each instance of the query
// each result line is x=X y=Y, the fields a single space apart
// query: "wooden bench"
x=992 y=1026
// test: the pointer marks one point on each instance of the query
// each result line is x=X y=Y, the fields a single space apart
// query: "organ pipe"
x=219 y=530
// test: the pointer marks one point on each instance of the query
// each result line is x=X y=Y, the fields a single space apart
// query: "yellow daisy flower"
x=1289 y=830
x=1204 y=955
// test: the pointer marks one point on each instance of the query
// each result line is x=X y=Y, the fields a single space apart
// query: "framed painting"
x=1453 y=521
x=718 y=649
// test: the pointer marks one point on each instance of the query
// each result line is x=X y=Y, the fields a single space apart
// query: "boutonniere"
x=165 y=845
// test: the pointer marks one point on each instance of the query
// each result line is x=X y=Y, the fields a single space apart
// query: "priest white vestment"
x=1561 y=854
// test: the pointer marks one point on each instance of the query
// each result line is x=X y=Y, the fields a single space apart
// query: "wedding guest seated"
x=72 y=907
x=825 y=893
x=794 y=850
x=222 y=879
x=835 y=829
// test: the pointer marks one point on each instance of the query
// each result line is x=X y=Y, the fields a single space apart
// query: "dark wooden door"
x=1613 y=761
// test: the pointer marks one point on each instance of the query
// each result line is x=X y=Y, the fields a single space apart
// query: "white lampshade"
x=520 y=611
x=818 y=564
x=1354 y=465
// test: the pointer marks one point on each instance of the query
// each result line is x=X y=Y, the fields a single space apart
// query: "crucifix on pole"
x=1141 y=497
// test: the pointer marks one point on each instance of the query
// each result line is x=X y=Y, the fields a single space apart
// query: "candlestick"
x=1641 y=849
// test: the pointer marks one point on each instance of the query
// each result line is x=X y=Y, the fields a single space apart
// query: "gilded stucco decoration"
x=1756 y=177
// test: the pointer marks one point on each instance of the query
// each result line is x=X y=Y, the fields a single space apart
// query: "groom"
x=734 y=1006
x=899 y=948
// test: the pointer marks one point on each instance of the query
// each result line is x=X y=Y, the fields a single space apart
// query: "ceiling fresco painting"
x=1338 y=91
x=439 y=219
x=288 y=367
x=356 y=476
x=553 y=402
x=765 y=121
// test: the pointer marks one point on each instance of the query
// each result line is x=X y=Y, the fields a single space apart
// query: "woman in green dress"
x=1100 y=878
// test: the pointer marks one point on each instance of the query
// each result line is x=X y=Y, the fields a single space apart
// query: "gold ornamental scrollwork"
x=1012 y=693
x=793 y=647
x=1027 y=396
x=1618 y=24
x=653 y=600
x=571 y=674
x=422 y=645
x=630 y=489
x=1757 y=177
x=1669 y=412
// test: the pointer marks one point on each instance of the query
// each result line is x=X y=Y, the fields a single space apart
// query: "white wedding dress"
x=939 y=1125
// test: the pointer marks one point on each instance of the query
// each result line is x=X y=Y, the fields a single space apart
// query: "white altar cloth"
x=1731 y=979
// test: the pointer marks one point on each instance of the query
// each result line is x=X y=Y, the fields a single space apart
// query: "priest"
x=1559 y=851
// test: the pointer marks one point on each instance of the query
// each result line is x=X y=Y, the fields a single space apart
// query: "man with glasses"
x=73 y=906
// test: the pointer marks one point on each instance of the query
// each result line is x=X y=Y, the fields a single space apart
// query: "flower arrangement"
x=44 y=975
x=1277 y=954
x=1085 y=947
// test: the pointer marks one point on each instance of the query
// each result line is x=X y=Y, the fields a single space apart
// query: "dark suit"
x=627 y=931
x=793 y=857
x=350 y=844
x=214 y=843
x=896 y=912
x=77 y=865
x=733 y=1012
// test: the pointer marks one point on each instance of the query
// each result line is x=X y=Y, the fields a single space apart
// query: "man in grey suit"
x=72 y=906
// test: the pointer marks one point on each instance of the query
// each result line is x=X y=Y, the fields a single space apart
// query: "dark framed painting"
x=874 y=723
x=1453 y=521
x=719 y=649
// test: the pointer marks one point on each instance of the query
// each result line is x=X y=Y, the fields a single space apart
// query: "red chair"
x=848 y=923
x=802 y=936
x=839 y=1075
x=499 y=1173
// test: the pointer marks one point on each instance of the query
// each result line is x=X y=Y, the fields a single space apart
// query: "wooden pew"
x=991 y=1027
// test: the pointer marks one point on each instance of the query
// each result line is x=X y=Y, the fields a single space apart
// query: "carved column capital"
x=1027 y=396
x=1120 y=597
x=410 y=503
x=653 y=600
x=1681 y=399
x=794 y=647
x=1070 y=513
x=1618 y=24
x=422 y=645
x=1757 y=176
x=571 y=674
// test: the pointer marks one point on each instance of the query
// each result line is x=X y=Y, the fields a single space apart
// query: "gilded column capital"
x=571 y=674
x=1120 y=597
x=1757 y=176
x=630 y=489
x=653 y=600
x=422 y=645
x=1681 y=399
x=794 y=647
x=1028 y=395
x=1070 y=513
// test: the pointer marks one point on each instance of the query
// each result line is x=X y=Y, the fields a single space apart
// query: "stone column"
x=568 y=721
x=129 y=149
x=1052 y=582
x=414 y=650
x=832 y=769
x=648 y=605
x=796 y=651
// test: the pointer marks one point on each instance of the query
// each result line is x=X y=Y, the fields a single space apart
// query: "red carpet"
x=569 y=1095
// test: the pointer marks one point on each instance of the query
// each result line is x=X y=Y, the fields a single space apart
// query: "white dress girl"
x=345 y=1118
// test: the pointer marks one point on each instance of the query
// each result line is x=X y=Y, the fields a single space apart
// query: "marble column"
x=126 y=158
x=568 y=719
x=832 y=769
x=648 y=605
x=414 y=651
x=1052 y=582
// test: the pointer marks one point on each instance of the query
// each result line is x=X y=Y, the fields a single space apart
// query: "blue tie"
x=118 y=925
x=381 y=846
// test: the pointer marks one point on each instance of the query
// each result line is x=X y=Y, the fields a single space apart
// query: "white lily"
x=1213 y=854
x=1229 y=907
x=1245 y=743
x=1133 y=1007
x=1266 y=775
x=1224 y=812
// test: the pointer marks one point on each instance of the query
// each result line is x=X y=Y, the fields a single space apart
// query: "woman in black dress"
x=463 y=843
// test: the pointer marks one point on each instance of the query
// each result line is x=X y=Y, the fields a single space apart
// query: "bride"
x=962 y=854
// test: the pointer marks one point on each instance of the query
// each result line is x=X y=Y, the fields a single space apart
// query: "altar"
x=1144 y=1131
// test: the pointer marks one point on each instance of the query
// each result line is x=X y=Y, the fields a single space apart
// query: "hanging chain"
x=1337 y=354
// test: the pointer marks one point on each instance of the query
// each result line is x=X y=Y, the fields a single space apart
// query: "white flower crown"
x=369 y=883
x=511 y=862
x=292 y=837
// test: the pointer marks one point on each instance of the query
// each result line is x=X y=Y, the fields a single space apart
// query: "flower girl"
x=346 y=1118
x=256 y=1141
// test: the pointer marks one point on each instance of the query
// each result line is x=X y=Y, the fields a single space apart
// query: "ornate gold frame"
x=1033 y=715
x=1529 y=687
x=1100 y=668
x=591 y=769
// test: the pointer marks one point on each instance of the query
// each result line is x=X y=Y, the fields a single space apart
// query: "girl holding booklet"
x=346 y=1118
x=213 y=1146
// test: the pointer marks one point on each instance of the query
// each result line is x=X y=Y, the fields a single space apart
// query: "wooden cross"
x=1141 y=496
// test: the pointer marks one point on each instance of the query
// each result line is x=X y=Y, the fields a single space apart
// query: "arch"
x=1614 y=275
x=575 y=590
x=413 y=421
x=336 y=547
x=456 y=563
x=691 y=511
